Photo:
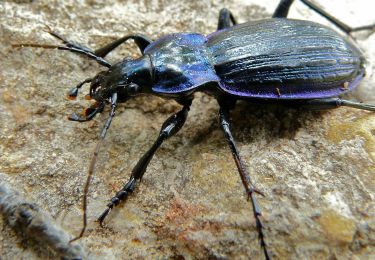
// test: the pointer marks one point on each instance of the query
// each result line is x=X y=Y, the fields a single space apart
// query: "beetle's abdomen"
x=284 y=58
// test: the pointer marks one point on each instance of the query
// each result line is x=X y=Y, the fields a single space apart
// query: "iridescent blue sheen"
x=181 y=63
x=272 y=58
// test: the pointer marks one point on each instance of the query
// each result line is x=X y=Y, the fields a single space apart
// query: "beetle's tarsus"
x=103 y=216
x=370 y=27
x=358 y=105
x=120 y=195
x=335 y=102
x=245 y=177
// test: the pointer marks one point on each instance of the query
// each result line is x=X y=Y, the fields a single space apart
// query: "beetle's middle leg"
x=170 y=127
x=282 y=11
x=245 y=177
x=225 y=19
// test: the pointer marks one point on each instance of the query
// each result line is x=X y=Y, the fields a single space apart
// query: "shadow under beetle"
x=280 y=60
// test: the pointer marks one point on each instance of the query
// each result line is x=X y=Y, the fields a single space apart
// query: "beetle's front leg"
x=225 y=19
x=245 y=177
x=170 y=127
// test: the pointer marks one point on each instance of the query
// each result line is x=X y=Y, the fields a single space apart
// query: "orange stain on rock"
x=181 y=211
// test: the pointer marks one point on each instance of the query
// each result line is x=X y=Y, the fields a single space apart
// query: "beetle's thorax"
x=181 y=63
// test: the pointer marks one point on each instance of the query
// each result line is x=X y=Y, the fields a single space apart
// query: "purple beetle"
x=277 y=60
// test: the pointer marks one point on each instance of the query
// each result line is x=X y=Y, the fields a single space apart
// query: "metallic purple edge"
x=332 y=92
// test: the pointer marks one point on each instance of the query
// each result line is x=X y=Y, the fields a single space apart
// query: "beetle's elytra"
x=279 y=60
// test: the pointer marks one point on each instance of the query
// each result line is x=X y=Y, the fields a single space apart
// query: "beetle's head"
x=126 y=78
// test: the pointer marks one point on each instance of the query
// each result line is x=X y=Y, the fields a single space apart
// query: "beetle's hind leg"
x=329 y=103
x=344 y=27
x=170 y=127
x=226 y=18
x=245 y=177
x=282 y=11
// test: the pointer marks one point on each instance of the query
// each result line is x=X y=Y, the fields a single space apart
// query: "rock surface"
x=316 y=168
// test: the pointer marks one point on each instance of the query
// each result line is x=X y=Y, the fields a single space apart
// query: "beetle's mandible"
x=276 y=60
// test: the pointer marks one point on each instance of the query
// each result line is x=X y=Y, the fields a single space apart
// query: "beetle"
x=276 y=60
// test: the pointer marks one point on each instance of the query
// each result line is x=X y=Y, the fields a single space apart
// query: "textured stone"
x=337 y=228
x=315 y=168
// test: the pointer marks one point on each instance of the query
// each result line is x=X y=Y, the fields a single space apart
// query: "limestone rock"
x=315 y=168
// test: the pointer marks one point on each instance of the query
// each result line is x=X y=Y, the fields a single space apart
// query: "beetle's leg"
x=141 y=41
x=346 y=28
x=225 y=19
x=245 y=177
x=284 y=5
x=171 y=126
x=282 y=9
x=329 y=103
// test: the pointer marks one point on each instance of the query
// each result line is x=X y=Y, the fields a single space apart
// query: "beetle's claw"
x=103 y=216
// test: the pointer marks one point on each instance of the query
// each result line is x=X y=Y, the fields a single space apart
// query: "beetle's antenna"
x=78 y=50
x=93 y=162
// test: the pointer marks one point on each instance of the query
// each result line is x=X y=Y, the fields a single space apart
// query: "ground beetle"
x=277 y=60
